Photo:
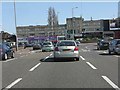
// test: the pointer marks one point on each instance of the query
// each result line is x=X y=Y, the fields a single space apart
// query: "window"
x=66 y=44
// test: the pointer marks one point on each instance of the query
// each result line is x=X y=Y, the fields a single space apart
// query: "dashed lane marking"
x=82 y=57
x=33 y=68
x=14 y=83
x=111 y=83
x=47 y=57
x=93 y=67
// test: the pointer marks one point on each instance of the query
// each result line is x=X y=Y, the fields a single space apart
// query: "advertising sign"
x=115 y=24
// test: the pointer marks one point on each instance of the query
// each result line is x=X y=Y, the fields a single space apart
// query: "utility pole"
x=15 y=26
x=73 y=21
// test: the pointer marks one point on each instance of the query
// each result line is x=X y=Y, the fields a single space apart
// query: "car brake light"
x=56 y=49
x=76 y=49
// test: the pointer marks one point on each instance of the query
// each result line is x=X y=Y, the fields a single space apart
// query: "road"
x=36 y=69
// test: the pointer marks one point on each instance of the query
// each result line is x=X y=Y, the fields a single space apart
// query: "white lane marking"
x=82 y=57
x=110 y=82
x=99 y=51
x=85 y=50
x=116 y=56
x=15 y=82
x=10 y=60
x=47 y=57
x=105 y=52
x=50 y=54
x=33 y=68
x=93 y=67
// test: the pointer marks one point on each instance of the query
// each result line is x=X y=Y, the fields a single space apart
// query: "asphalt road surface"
x=36 y=69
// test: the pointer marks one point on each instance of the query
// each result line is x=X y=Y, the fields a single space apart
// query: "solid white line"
x=15 y=82
x=82 y=57
x=10 y=60
x=34 y=67
x=110 y=82
x=93 y=67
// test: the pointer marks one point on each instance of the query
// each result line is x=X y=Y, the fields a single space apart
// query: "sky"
x=36 y=13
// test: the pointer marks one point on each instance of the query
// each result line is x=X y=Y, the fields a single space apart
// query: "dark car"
x=102 y=44
x=78 y=43
x=37 y=46
x=28 y=45
x=114 y=46
x=6 y=51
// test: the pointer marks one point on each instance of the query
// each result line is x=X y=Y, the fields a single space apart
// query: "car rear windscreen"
x=66 y=44
x=46 y=43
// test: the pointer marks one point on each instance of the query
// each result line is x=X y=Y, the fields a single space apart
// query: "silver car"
x=47 y=46
x=66 y=49
x=114 y=46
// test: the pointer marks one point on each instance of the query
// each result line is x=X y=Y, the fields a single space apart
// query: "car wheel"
x=54 y=59
x=77 y=58
x=5 y=56
x=115 y=52
x=109 y=52
x=13 y=55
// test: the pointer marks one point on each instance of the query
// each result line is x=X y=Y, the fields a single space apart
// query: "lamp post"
x=73 y=21
x=15 y=25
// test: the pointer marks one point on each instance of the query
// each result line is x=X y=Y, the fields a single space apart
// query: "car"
x=28 y=45
x=102 y=44
x=66 y=49
x=47 y=46
x=78 y=43
x=6 y=51
x=37 y=46
x=114 y=46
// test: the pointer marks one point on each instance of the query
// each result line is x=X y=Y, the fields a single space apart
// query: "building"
x=96 y=28
x=115 y=27
x=74 y=26
x=37 y=33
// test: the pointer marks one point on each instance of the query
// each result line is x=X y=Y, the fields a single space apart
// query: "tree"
x=52 y=17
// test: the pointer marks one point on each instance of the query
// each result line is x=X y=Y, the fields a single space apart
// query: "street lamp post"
x=15 y=26
x=73 y=21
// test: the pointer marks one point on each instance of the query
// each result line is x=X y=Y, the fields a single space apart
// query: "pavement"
x=35 y=69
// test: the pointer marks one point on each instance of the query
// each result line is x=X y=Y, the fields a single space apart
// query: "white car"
x=66 y=49
x=47 y=46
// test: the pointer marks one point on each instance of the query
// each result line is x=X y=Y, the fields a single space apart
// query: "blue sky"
x=36 y=13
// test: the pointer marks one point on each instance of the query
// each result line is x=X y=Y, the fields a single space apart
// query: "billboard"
x=115 y=24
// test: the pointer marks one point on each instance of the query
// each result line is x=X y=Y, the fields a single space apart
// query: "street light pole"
x=15 y=26
x=72 y=21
